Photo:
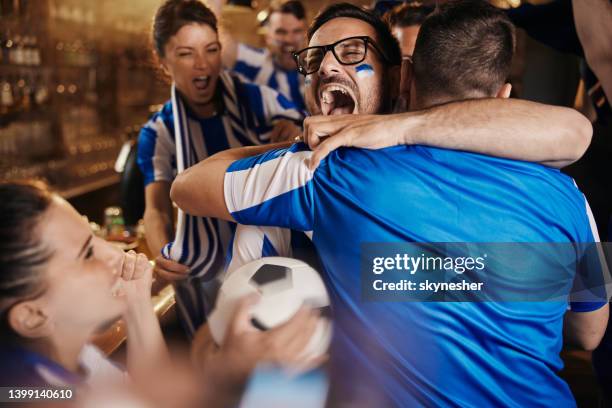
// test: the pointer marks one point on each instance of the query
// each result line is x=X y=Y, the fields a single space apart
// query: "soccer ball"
x=284 y=284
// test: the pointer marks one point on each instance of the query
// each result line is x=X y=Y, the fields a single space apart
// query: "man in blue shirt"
x=414 y=354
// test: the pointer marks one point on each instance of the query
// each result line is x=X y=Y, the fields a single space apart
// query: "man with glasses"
x=551 y=135
x=413 y=354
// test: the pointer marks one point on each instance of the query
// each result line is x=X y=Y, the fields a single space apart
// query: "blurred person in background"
x=285 y=25
x=60 y=285
x=221 y=111
x=405 y=21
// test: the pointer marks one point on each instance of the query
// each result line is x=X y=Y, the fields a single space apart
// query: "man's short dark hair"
x=385 y=39
x=463 y=50
x=407 y=15
x=293 y=7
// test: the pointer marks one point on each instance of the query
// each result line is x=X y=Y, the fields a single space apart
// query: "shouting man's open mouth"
x=336 y=100
x=337 y=97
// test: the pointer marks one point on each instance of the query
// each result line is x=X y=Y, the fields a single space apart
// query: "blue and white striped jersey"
x=201 y=243
x=423 y=353
x=261 y=105
x=256 y=65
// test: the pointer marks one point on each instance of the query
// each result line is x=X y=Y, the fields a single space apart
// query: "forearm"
x=244 y=152
x=146 y=349
x=593 y=20
x=508 y=128
x=603 y=71
x=223 y=378
x=223 y=385
x=159 y=229
x=199 y=189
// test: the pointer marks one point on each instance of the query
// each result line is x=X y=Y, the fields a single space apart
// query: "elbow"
x=589 y=343
x=580 y=130
x=179 y=192
x=585 y=340
x=189 y=193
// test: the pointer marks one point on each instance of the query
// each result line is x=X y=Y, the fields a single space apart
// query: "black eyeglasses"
x=348 y=51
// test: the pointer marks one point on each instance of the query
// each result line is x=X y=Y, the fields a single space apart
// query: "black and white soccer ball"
x=284 y=285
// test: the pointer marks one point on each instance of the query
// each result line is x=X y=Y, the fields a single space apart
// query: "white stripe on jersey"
x=592 y=223
x=265 y=72
x=590 y=216
x=251 y=56
x=602 y=257
x=249 y=241
x=269 y=98
x=197 y=138
x=283 y=85
x=164 y=148
x=264 y=187
x=229 y=134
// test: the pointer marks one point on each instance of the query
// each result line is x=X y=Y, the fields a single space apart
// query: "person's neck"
x=430 y=101
x=204 y=111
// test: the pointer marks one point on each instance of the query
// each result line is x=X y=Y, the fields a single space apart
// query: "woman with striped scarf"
x=210 y=110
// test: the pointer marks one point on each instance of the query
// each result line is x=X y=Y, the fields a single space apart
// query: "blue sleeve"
x=146 y=151
x=156 y=150
x=272 y=189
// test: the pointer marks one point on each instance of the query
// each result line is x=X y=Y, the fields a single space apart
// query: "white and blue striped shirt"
x=262 y=106
x=247 y=119
x=256 y=65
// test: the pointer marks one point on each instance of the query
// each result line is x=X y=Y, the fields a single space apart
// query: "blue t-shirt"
x=423 y=354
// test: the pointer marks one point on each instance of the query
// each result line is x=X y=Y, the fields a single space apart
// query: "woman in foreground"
x=60 y=285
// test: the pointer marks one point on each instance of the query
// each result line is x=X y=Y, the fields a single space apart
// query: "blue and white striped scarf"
x=196 y=243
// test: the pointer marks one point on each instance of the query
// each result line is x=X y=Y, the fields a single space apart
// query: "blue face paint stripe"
x=364 y=67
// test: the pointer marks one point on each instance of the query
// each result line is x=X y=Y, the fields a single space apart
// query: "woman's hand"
x=169 y=270
x=137 y=273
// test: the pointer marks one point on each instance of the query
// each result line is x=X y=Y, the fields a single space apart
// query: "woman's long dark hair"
x=23 y=255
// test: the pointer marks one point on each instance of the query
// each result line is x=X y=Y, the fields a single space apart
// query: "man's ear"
x=504 y=91
x=402 y=94
x=29 y=320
